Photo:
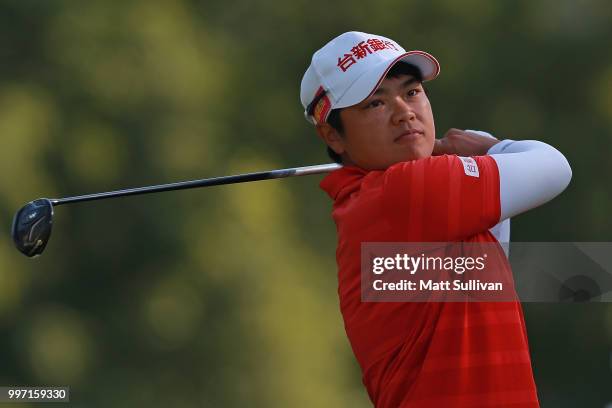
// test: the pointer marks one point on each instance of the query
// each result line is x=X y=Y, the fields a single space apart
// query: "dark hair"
x=401 y=68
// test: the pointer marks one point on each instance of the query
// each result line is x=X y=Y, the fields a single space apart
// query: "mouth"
x=409 y=135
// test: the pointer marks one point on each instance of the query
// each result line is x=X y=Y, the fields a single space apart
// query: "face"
x=394 y=124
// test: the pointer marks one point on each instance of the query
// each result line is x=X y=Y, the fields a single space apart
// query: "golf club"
x=32 y=223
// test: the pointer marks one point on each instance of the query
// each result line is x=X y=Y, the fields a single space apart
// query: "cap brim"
x=369 y=82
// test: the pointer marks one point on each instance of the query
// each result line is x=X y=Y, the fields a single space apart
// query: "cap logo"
x=362 y=50
x=322 y=105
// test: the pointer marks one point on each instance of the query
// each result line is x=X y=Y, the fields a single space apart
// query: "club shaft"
x=215 y=181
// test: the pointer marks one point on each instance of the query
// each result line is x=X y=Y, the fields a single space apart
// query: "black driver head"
x=32 y=227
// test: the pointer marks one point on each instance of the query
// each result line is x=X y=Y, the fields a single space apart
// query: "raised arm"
x=531 y=173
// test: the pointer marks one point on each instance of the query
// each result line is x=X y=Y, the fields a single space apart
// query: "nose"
x=402 y=111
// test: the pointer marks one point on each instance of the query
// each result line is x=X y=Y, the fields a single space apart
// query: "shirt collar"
x=336 y=182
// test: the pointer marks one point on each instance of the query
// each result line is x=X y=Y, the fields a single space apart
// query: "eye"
x=374 y=104
x=414 y=92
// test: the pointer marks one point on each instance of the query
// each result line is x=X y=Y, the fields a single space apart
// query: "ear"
x=331 y=137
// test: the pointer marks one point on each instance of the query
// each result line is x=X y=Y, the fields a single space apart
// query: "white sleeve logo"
x=469 y=166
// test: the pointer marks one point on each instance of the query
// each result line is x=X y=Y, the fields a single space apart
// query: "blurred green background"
x=226 y=297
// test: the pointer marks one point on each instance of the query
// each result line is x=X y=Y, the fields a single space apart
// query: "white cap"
x=349 y=68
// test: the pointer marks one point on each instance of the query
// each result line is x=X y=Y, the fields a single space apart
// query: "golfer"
x=364 y=94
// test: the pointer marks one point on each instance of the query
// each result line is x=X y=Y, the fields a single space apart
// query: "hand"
x=463 y=143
